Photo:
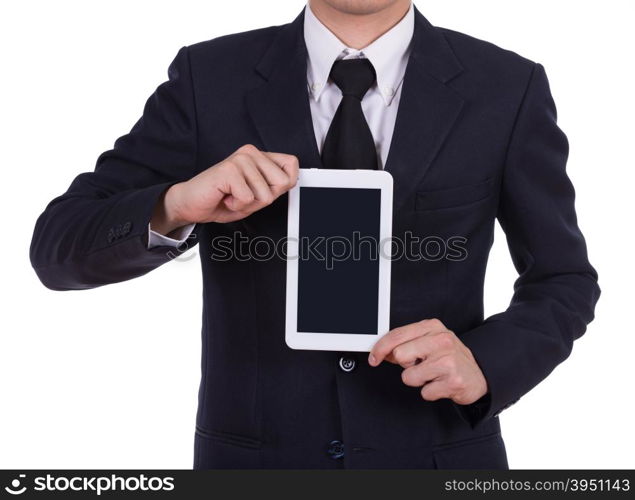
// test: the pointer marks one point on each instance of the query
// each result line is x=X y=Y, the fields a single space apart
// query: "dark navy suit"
x=475 y=140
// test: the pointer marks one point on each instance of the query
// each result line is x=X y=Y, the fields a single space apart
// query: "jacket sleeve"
x=96 y=232
x=556 y=290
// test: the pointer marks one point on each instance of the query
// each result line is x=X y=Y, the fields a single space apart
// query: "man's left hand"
x=433 y=358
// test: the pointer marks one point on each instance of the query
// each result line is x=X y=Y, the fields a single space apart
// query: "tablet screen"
x=338 y=260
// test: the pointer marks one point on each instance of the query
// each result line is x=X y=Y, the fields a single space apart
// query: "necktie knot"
x=353 y=76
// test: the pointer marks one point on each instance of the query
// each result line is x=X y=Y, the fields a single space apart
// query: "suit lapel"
x=280 y=107
x=428 y=109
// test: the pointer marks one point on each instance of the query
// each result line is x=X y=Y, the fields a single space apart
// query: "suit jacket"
x=475 y=140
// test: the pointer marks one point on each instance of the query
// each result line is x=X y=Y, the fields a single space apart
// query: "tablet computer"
x=338 y=259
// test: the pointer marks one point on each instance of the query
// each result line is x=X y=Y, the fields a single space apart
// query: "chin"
x=360 y=7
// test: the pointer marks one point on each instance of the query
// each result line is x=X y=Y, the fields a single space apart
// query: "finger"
x=435 y=390
x=257 y=183
x=420 y=374
x=392 y=339
x=384 y=346
x=275 y=176
x=432 y=345
x=240 y=195
x=409 y=353
x=288 y=163
x=432 y=324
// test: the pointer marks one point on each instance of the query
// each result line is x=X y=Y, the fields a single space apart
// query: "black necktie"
x=349 y=143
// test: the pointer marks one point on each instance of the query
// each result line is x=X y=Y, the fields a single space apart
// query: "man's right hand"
x=234 y=188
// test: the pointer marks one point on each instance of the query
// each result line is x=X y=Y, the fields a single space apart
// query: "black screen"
x=338 y=265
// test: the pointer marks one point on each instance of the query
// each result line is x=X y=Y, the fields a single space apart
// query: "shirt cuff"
x=176 y=238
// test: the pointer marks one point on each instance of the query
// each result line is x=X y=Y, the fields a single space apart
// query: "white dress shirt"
x=388 y=55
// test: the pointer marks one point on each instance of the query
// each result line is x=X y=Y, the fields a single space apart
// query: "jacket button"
x=336 y=449
x=347 y=364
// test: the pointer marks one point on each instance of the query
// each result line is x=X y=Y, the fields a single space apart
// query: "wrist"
x=167 y=215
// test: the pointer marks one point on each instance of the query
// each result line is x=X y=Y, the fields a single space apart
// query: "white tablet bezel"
x=369 y=179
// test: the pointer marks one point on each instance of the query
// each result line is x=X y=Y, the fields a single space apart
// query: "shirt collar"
x=388 y=54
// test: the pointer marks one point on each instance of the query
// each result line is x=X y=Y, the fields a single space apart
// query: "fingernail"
x=371 y=360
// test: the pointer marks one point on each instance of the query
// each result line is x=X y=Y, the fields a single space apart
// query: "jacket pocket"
x=483 y=452
x=454 y=197
x=228 y=438
x=221 y=450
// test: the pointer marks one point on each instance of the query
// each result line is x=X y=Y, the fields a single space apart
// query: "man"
x=467 y=130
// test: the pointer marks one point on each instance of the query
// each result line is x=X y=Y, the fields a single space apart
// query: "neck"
x=358 y=30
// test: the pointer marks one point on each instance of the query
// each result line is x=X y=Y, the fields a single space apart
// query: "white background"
x=109 y=377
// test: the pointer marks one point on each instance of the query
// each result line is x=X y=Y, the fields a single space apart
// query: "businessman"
x=468 y=131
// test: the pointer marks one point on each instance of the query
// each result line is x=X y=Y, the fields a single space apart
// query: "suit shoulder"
x=236 y=54
x=475 y=53
x=240 y=44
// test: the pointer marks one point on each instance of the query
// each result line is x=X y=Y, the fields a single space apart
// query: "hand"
x=433 y=358
x=234 y=188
